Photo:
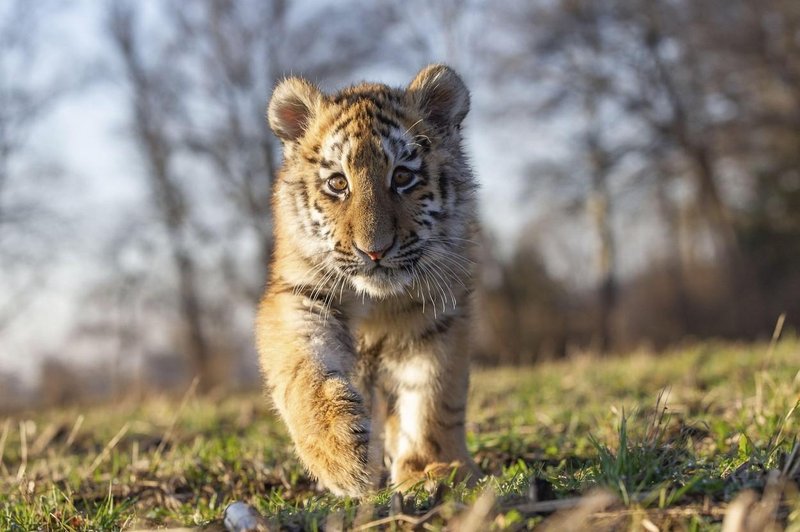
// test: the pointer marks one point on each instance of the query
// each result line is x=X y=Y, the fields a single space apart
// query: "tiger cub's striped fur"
x=366 y=313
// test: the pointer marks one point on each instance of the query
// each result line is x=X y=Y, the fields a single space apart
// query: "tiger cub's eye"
x=337 y=183
x=402 y=177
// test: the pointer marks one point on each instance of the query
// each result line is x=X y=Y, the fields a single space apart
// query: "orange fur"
x=370 y=280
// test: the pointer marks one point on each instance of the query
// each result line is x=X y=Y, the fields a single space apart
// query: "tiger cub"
x=366 y=314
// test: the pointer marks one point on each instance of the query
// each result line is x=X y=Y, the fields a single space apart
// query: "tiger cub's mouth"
x=382 y=281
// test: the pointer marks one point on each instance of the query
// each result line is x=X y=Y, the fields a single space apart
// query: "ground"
x=682 y=440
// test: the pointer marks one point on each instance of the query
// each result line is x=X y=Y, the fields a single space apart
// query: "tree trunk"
x=191 y=312
x=599 y=210
x=168 y=197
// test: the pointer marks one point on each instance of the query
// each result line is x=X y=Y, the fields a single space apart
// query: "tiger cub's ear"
x=441 y=93
x=293 y=105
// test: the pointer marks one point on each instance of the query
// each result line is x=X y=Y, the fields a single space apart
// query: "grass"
x=672 y=441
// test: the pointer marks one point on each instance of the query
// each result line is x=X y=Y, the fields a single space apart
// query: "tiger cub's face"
x=374 y=179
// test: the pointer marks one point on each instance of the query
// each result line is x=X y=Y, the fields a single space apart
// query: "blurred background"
x=639 y=165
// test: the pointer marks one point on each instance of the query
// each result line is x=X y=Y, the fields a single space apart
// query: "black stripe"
x=374 y=99
x=454 y=409
x=386 y=121
x=382 y=131
x=412 y=239
x=443 y=186
x=411 y=252
x=440 y=326
x=304 y=196
x=410 y=256
x=343 y=124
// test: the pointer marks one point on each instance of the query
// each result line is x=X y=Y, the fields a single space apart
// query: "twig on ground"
x=23 y=450
x=107 y=450
x=776 y=334
x=74 y=432
x=478 y=516
x=410 y=519
x=3 y=438
x=168 y=434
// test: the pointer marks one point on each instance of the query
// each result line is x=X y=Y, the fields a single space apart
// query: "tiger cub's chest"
x=391 y=321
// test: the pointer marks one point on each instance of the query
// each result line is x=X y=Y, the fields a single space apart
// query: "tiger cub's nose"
x=375 y=255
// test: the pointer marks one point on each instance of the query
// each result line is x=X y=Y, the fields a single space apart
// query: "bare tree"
x=661 y=87
x=757 y=61
x=570 y=63
x=153 y=100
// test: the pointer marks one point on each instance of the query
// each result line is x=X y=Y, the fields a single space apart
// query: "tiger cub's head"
x=375 y=189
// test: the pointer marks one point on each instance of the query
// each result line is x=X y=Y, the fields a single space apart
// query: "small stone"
x=241 y=517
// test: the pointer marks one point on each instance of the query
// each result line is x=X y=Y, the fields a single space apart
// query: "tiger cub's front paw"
x=336 y=446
